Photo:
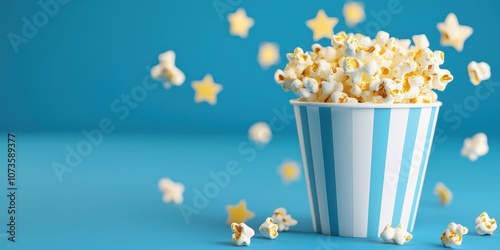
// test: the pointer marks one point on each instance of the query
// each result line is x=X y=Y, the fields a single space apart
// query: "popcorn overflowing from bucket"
x=357 y=68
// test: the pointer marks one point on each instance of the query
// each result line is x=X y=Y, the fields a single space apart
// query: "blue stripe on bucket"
x=406 y=159
x=325 y=115
x=420 y=174
x=381 y=120
x=310 y=166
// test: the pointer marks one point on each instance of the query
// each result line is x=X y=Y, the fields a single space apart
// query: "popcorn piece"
x=485 y=225
x=289 y=171
x=452 y=236
x=268 y=54
x=444 y=194
x=166 y=71
x=395 y=235
x=453 y=34
x=354 y=13
x=269 y=229
x=478 y=72
x=421 y=41
x=239 y=23
x=242 y=234
x=475 y=147
x=172 y=191
x=322 y=25
x=260 y=133
x=284 y=221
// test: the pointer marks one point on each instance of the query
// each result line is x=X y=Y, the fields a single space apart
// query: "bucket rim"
x=296 y=102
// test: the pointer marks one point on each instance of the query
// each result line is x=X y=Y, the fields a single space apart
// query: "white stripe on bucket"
x=432 y=125
x=397 y=127
x=319 y=170
x=415 y=166
x=304 y=162
x=362 y=154
x=342 y=137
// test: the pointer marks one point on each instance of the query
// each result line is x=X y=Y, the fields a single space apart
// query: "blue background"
x=91 y=53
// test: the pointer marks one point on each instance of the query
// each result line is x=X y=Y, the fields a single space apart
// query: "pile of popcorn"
x=359 y=69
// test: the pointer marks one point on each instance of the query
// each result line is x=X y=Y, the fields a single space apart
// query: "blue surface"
x=90 y=53
x=111 y=200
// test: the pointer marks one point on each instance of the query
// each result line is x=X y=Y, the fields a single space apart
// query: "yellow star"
x=289 y=171
x=268 y=54
x=453 y=34
x=239 y=23
x=206 y=90
x=238 y=213
x=322 y=25
x=354 y=13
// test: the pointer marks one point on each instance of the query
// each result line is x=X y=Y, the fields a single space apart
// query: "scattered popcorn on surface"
x=485 y=224
x=284 y=221
x=478 y=72
x=166 y=71
x=322 y=25
x=239 y=23
x=452 y=236
x=475 y=147
x=260 y=133
x=395 y=235
x=357 y=68
x=453 y=34
x=242 y=234
x=444 y=193
x=238 y=213
x=172 y=191
x=269 y=229
x=206 y=90
x=354 y=13
x=268 y=55
x=289 y=171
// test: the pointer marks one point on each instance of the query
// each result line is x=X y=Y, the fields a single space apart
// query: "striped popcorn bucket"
x=364 y=163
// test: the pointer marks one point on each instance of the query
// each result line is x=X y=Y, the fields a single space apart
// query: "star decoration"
x=238 y=213
x=206 y=90
x=289 y=171
x=239 y=23
x=268 y=55
x=453 y=34
x=322 y=25
x=354 y=13
x=172 y=191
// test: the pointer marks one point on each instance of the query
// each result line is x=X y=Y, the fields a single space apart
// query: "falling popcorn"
x=166 y=71
x=475 y=147
x=240 y=23
x=242 y=234
x=478 y=72
x=268 y=54
x=260 y=133
x=289 y=171
x=172 y=191
x=284 y=221
x=354 y=13
x=453 y=235
x=395 y=235
x=269 y=229
x=485 y=225
x=444 y=194
x=453 y=34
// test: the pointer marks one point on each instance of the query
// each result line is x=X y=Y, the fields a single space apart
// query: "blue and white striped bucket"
x=364 y=163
